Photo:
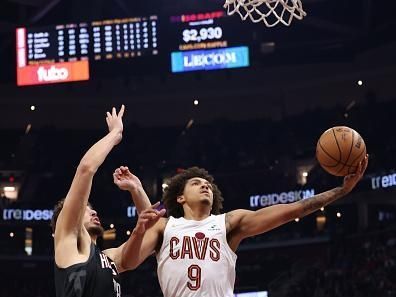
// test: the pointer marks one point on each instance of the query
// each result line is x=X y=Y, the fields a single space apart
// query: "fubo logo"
x=52 y=74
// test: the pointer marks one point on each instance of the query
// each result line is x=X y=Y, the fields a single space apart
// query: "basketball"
x=339 y=150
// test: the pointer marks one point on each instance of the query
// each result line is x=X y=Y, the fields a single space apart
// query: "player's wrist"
x=343 y=190
x=138 y=231
x=116 y=131
x=135 y=190
x=116 y=135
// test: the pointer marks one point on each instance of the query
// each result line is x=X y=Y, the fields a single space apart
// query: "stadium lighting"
x=9 y=189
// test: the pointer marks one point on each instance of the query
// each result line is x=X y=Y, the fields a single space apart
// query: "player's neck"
x=93 y=239
x=196 y=214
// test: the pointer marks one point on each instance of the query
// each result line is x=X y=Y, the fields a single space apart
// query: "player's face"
x=198 y=190
x=92 y=222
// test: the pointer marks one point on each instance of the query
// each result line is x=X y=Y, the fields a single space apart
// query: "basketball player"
x=81 y=269
x=195 y=247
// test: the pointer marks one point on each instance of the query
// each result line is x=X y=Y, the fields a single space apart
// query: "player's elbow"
x=86 y=167
x=128 y=261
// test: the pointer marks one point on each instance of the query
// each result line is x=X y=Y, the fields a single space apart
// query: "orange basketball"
x=339 y=150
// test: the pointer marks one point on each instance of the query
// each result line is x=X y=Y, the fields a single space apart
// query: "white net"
x=271 y=12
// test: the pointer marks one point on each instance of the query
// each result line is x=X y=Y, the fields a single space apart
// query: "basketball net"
x=271 y=12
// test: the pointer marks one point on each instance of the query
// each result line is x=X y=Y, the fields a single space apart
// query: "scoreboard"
x=62 y=53
x=59 y=44
x=125 y=38
x=196 y=41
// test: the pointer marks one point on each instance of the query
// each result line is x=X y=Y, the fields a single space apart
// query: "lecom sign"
x=53 y=73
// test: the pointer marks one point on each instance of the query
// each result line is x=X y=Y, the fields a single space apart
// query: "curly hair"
x=176 y=188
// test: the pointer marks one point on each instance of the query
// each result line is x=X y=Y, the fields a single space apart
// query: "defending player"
x=81 y=268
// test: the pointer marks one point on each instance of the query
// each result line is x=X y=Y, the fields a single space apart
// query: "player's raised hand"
x=351 y=180
x=114 y=121
x=148 y=218
x=125 y=180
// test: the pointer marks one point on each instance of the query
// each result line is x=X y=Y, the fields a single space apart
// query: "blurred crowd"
x=355 y=267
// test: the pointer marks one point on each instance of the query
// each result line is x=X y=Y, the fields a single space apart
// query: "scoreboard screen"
x=62 y=53
x=206 y=41
x=59 y=44
x=73 y=52
x=125 y=38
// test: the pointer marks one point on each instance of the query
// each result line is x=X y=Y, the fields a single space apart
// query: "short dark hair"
x=176 y=188
x=57 y=209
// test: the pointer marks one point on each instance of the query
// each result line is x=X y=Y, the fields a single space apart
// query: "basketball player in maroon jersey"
x=81 y=269
x=195 y=247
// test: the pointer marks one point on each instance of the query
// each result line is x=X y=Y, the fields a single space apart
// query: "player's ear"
x=180 y=199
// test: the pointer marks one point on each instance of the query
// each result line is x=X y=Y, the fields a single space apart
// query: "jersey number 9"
x=194 y=274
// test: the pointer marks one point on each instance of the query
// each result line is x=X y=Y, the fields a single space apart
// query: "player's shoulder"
x=234 y=217
x=236 y=213
x=161 y=224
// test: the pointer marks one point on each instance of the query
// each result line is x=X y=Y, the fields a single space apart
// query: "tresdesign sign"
x=16 y=214
x=27 y=214
x=383 y=182
x=131 y=211
x=263 y=200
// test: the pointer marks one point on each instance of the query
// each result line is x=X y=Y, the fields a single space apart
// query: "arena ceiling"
x=316 y=63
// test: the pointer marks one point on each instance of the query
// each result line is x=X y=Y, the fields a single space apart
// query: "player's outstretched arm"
x=244 y=223
x=143 y=240
x=70 y=218
x=127 y=181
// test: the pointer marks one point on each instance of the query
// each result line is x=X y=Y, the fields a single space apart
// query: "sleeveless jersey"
x=195 y=259
x=97 y=277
